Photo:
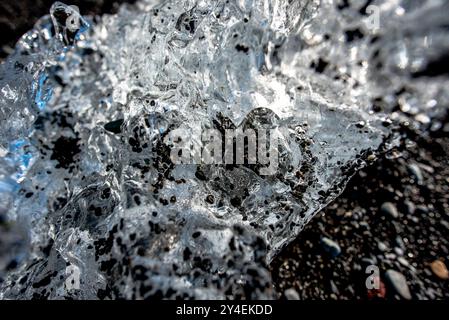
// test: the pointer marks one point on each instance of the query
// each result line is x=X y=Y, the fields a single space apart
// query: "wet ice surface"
x=86 y=178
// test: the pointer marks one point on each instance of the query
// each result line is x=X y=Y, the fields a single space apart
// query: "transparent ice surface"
x=85 y=107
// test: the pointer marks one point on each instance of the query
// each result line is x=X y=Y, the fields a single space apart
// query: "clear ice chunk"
x=85 y=115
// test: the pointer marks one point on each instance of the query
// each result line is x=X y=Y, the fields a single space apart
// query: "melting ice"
x=93 y=206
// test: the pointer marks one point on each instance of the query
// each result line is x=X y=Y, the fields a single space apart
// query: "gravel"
x=414 y=243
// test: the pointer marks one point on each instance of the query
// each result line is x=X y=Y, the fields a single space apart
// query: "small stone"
x=368 y=261
x=356 y=267
x=422 y=209
x=398 y=251
x=403 y=261
x=410 y=206
x=431 y=294
x=400 y=243
x=415 y=171
x=334 y=288
x=351 y=290
x=428 y=272
x=348 y=214
x=364 y=225
x=390 y=256
x=291 y=294
x=390 y=209
x=439 y=269
x=445 y=224
x=331 y=247
x=398 y=283
x=382 y=246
